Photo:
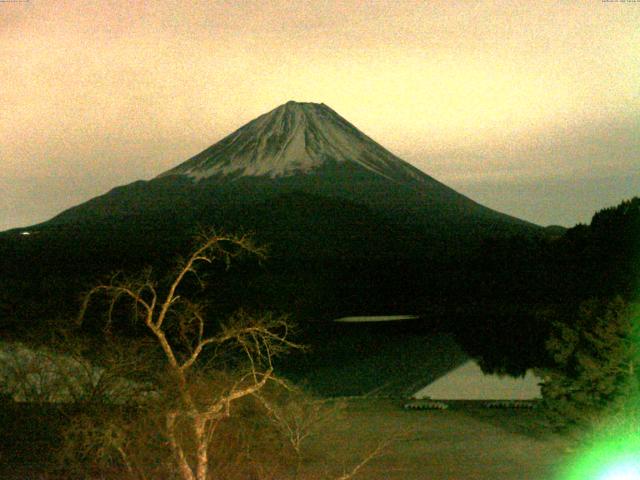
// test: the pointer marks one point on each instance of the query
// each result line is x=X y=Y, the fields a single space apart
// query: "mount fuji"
x=296 y=139
x=339 y=212
x=296 y=149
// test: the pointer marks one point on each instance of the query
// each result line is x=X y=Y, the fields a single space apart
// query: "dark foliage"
x=332 y=256
x=596 y=358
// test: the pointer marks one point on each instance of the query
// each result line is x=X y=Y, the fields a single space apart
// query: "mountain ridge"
x=364 y=229
x=296 y=147
x=294 y=138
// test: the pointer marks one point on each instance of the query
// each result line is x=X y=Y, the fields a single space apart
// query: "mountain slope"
x=368 y=229
x=293 y=139
x=301 y=147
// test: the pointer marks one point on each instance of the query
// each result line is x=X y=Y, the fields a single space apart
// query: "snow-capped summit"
x=294 y=138
x=296 y=159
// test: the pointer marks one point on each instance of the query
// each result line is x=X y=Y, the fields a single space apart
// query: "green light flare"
x=613 y=454
x=625 y=470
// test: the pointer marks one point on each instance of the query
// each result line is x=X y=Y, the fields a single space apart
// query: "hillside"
x=332 y=205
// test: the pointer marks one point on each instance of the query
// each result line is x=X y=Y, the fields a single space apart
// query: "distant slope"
x=297 y=147
x=296 y=138
x=327 y=199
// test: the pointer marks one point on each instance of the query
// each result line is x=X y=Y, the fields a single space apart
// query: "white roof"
x=468 y=382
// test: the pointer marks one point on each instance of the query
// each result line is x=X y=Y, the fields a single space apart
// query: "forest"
x=564 y=303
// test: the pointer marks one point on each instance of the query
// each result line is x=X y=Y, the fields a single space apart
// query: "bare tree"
x=179 y=328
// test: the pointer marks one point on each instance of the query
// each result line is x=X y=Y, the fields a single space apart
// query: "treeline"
x=526 y=285
x=497 y=294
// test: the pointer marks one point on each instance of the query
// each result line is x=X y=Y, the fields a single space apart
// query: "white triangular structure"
x=468 y=382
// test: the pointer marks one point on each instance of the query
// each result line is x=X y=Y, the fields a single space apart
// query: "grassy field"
x=457 y=444
x=461 y=443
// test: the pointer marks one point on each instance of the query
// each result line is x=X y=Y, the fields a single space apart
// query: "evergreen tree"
x=596 y=363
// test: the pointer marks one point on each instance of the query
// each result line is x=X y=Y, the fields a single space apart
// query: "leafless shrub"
x=216 y=408
x=193 y=405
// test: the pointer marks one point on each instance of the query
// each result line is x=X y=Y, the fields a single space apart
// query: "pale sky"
x=529 y=107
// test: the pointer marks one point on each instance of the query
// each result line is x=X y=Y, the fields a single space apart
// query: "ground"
x=464 y=443
x=461 y=443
